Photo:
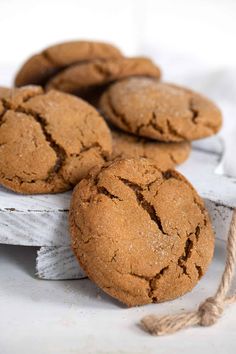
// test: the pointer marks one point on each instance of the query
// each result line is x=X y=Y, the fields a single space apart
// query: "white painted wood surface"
x=42 y=220
x=38 y=220
x=57 y=263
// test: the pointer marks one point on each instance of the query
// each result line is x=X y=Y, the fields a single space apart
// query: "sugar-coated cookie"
x=49 y=141
x=40 y=67
x=157 y=110
x=81 y=78
x=141 y=234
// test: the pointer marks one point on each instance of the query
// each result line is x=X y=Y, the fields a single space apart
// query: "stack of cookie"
x=82 y=68
x=160 y=119
x=165 y=116
x=139 y=229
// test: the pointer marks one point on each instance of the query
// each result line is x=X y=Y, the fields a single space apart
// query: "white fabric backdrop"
x=192 y=40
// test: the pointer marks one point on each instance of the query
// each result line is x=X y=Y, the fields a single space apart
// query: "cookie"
x=49 y=141
x=40 y=67
x=157 y=110
x=166 y=155
x=141 y=234
x=80 y=78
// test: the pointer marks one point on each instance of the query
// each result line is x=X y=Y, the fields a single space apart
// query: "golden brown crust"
x=157 y=110
x=40 y=67
x=142 y=234
x=166 y=155
x=49 y=141
x=80 y=77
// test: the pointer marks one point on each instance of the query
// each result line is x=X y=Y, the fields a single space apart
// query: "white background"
x=203 y=29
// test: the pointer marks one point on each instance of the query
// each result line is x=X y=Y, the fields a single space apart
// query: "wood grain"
x=38 y=220
x=57 y=263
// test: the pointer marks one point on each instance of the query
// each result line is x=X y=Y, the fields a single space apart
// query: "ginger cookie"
x=40 y=67
x=157 y=110
x=141 y=234
x=81 y=78
x=166 y=155
x=49 y=141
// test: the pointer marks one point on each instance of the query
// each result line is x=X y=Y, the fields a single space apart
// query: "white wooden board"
x=57 y=263
x=38 y=220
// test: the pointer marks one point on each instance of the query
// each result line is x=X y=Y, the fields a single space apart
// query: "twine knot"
x=210 y=311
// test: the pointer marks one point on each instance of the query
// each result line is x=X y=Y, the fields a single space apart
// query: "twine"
x=209 y=312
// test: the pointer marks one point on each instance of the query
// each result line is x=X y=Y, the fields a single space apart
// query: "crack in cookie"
x=160 y=111
x=148 y=207
x=135 y=254
x=57 y=139
x=58 y=149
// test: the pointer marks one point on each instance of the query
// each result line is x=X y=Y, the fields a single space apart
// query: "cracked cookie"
x=40 y=67
x=140 y=233
x=157 y=110
x=81 y=78
x=166 y=155
x=49 y=141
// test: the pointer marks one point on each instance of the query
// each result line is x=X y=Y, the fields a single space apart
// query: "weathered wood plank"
x=200 y=171
x=34 y=228
x=57 y=263
x=39 y=220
